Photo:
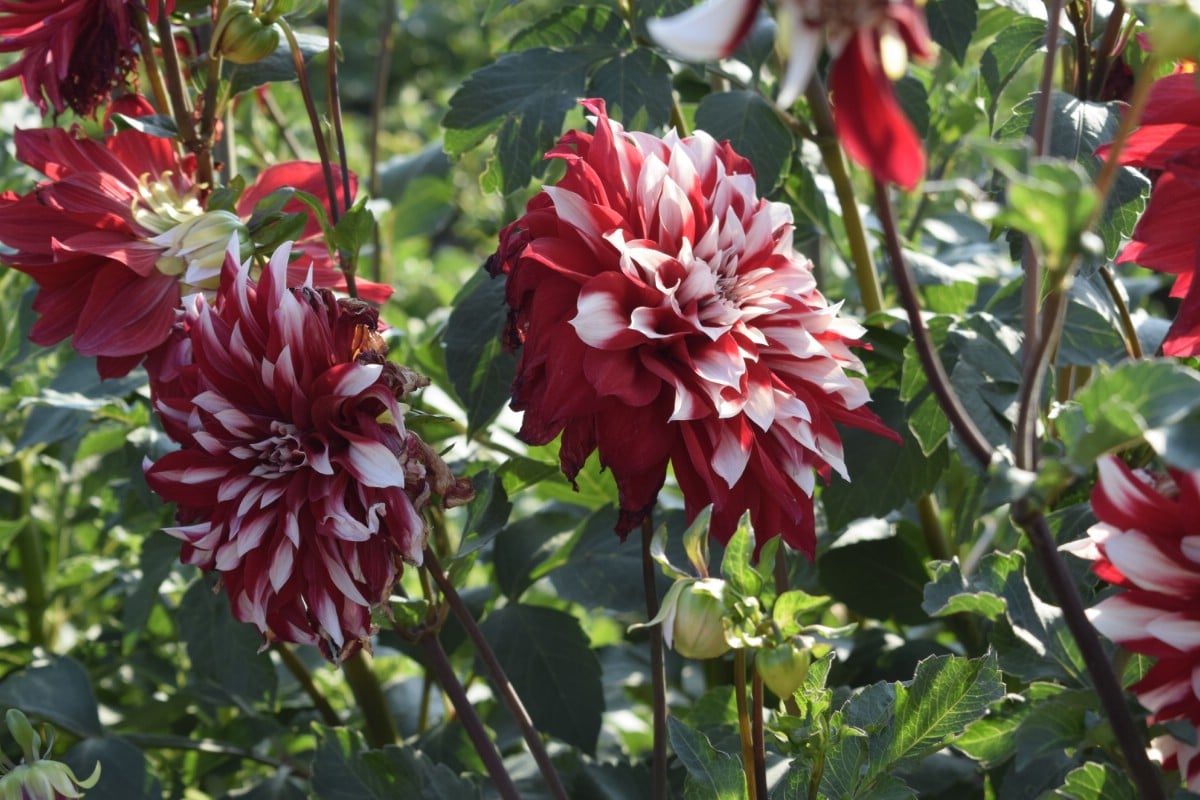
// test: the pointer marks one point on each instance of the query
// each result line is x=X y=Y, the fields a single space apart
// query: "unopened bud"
x=783 y=668
x=243 y=38
x=195 y=249
x=694 y=625
x=37 y=778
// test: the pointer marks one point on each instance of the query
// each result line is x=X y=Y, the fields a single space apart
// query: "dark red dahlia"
x=664 y=319
x=297 y=479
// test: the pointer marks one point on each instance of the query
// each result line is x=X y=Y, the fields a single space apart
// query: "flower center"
x=159 y=206
x=280 y=454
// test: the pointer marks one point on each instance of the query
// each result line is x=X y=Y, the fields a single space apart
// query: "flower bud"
x=37 y=778
x=242 y=37
x=195 y=249
x=783 y=668
x=1174 y=30
x=693 y=625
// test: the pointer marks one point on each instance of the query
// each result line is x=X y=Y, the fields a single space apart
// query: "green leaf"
x=57 y=691
x=712 y=775
x=880 y=579
x=1091 y=332
x=343 y=769
x=1014 y=45
x=9 y=528
x=947 y=694
x=487 y=513
x=736 y=567
x=1095 y=781
x=1052 y=202
x=636 y=88
x=526 y=549
x=952 y=24
x=571 y=27
x=160 y=125
x=547 y=658
x=755 y=131
x=354 y=228
x=224 y=652
x=279 y=66
x=523 y=98
x=602 y=571
x=480 y=370
x=124 y=773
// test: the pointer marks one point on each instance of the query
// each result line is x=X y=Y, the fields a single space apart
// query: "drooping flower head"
x=869 y=42
x=297 y=479
x=37 y=777
x=663 y=317
x=73 y=52
x=119 y=232
x=1147 y=543
x=1168 y=145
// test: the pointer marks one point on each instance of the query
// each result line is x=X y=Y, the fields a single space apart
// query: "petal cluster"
x=869 y=42
x=72 y=52
x=120 y=230
x=1168 y=145
x=1146 y=542
x=664 y=318
x=296 y=478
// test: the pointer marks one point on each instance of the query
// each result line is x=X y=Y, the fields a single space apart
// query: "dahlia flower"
x=1165 y=239
x=296 y=478
x=1145 y=543
x=73 y=52
x=118 y=233
x=664 y=318
x=869 y=42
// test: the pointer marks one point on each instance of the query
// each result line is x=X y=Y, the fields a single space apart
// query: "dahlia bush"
x=612 y=400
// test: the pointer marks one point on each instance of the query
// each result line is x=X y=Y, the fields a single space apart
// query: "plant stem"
x=756 y=733
x=29 y=553
x=743 y=712
x=349 y=266
x=1132 y=345
x=835 y=163
x=440 y=664
x=377 y=720
x=208 y=110
x=500 y=681
x=314 y=118
x=295 y=666
x=968 y=432
x=180 y=105
x=1105 y=51
x=387 y=40
x=161 y=101
x=167 y=742
x=1145 y=775
x=658 y=672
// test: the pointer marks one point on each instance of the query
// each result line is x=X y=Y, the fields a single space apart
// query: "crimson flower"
x=296 y=478
x=1165 y=239
x=119 y=232
x=1146 y=543
x=869 y=41
x=73 y=52
x=664 y=318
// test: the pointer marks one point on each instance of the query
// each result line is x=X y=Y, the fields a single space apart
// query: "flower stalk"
x=379 y=727
x=658 y=674
x=300 y=672
x=749 y=757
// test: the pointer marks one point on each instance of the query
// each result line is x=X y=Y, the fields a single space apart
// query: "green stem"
x=387 y=41
x=658 y=673
x=835 y=163
x=180 y=104
x=756 y=734
x=440 y=664
x=209 y=110
x=314 y=118
x=500 y=682
x=743 y=712
x=1132 y=345
x=167 y=742
x=29 y=551
x=153 y=71
x=300 y=672
x=1106 y=50
x=368 y=694
x=349 y=265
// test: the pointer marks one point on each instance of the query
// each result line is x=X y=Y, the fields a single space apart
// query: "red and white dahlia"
x=1147 y=543
x=297 y=479
x=120 y=232
x=1168 y=145
x=73 y=52
x=869 y=42
x=663 y=317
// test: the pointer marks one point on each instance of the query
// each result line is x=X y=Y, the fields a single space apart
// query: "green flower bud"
x=694 y=621
x=783 y=669
x=242 y=37
x=1174 y=30
x=37 y=778
x=195 y=249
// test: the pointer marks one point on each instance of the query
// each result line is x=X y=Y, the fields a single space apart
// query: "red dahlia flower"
x=1165 y=239
x=1146 y=543
x=664 y=317
x=869 y=41
x=74 y=52
x=297 y=479
x=119 y=232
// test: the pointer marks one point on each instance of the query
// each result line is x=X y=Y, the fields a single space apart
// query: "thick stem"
x=32 y=565
x=1083 y=47
x=1033 y=376
x=1132 y=345
x=208 y=109
x=295 y=666
x=743 y=712
x=440 y=664
x=500 y=683
x=314 y=118
x=153 y=71
x=349 y=265
x=1106 y=50
x=658 y=671
x=756 y=733
x=835 y=163
x=968 y=432
x=180 y=104
x=1145 y=775
x=377 y=720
